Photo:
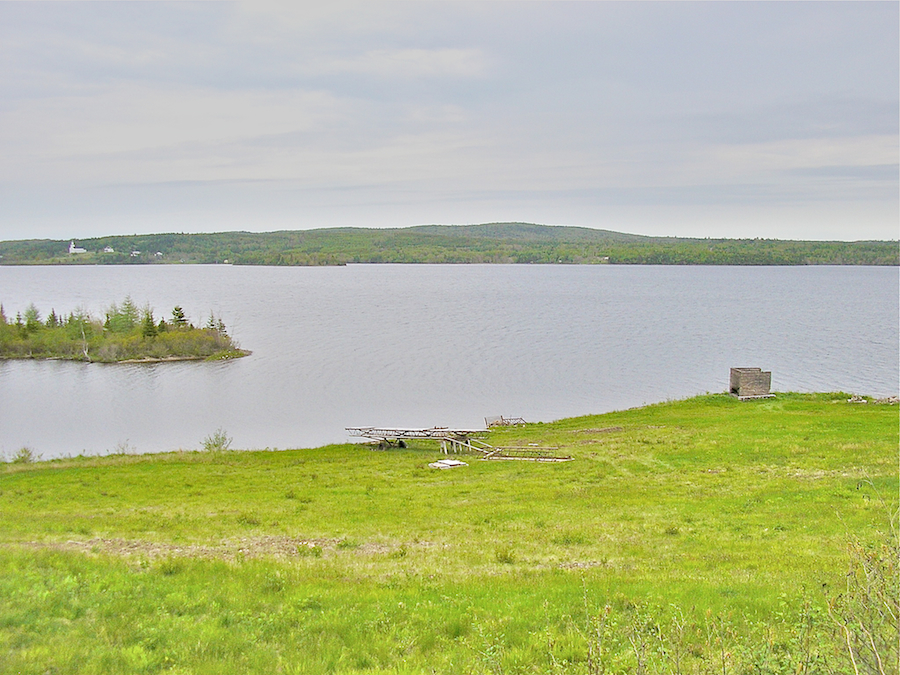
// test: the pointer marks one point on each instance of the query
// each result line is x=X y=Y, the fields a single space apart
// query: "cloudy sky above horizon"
x=732 y=119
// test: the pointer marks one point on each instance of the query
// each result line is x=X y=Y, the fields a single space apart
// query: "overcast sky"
x=735 y=119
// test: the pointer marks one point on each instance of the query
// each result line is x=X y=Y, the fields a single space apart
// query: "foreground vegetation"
x=700 y=536
x=488 y=243
x=126 y=334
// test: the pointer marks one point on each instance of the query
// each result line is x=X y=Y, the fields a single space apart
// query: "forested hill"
x=487 y=243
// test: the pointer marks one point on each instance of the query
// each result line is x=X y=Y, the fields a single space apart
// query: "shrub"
x=217 y=441
x=868 y=610
x=25 y=455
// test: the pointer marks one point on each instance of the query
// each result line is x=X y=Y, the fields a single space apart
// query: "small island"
x=128 y=334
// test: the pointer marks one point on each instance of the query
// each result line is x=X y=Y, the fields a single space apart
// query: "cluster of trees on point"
x=126 y=333
x=487 y=243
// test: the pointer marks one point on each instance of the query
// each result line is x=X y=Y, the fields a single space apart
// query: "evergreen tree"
x=178 y=319
x=122 y=319
x=216 y=324
x=148 y=327
x=32 y=319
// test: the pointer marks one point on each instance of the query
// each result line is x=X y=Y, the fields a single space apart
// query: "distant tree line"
x=126 y=333
x=488 y=243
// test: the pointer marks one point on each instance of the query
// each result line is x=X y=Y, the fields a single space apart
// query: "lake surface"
x=445 y=345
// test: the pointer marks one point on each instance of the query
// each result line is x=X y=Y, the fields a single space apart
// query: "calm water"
x=423 y=345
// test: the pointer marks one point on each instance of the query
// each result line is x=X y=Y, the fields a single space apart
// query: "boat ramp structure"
x=457 y=441
x=501 y=421
x=389 y=437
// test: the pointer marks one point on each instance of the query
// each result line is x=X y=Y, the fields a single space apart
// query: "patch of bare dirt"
x=229 y=549
x=585 y=564
x=271 y=547
x=604 y=430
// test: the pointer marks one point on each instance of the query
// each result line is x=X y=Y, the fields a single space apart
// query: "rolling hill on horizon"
x=497 y=243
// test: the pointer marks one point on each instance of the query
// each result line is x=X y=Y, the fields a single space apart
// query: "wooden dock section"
x=530 y=454
x=458 y=441
x=388 y=436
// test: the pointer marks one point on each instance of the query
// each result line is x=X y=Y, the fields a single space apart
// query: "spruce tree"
x=148 y=329
x=178 y=319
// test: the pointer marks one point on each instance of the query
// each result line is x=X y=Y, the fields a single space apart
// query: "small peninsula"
x=127 y=334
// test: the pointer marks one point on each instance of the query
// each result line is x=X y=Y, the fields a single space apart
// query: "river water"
x=437 y=345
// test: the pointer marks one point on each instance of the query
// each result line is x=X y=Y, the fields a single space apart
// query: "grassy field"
x=698 y=536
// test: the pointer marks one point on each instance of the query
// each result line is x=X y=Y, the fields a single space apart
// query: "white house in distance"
x=76 y=249
x=109 y=249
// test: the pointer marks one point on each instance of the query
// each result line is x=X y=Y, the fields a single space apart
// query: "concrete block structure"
x=747 y=383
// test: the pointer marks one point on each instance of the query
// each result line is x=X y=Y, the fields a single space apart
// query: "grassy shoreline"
x=716 y=531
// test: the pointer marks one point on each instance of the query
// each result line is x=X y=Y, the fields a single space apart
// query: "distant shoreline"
x=456 y=264
x=489 y=243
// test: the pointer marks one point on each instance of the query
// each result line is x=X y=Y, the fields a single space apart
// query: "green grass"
x=707 y=535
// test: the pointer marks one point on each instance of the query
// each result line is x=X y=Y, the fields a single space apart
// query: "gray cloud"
x=398 y=113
